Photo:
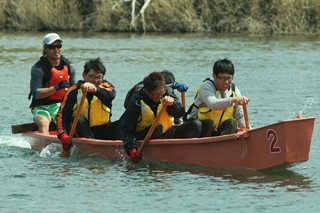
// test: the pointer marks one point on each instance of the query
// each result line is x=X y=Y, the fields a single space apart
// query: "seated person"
x=170 y=83
x=95 y=117
x=142 y=109
x=50 y=76
x=220 y=100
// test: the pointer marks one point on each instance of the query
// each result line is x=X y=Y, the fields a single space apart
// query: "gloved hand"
x=181 y=87
x=134 y=155
x=66 y=144
x=62 y=84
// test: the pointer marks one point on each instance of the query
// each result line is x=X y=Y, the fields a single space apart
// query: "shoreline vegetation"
x=257 y=17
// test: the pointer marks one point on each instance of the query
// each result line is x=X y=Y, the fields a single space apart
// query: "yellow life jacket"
x=147 y=118
x=218 y=116
x=96 y=112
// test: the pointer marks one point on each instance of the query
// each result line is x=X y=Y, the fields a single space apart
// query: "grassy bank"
x=265 y=17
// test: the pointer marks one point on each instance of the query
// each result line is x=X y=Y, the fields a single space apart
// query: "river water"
x=279 y=75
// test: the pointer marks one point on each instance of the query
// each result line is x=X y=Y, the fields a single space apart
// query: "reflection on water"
x=273 y=177
x=91 y=164
x=276 y=177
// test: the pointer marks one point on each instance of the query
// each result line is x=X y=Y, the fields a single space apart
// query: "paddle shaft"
x=183 y=99
x=152 y=128
x=75 y=122
x=246 y=119
x=66 y=153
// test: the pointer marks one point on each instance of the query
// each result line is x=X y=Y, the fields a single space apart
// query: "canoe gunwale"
x=171 y=141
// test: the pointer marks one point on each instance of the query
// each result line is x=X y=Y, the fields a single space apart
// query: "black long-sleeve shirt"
x=105 y=92
x=130 y=117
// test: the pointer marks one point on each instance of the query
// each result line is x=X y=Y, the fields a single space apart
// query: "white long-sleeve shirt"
x=207 y=96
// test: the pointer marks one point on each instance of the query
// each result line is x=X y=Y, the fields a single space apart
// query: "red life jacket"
x=51 y=77
x=56 y=77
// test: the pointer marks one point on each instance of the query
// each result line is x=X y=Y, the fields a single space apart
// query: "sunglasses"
x=51 y=47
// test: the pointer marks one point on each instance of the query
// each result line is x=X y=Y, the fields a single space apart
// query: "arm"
x=129 y=123
x=66 y=110
x=207 y=95
x=176 y=110
x=36 y=84
x=71 y=72
x=106 y=93
x=72 y=78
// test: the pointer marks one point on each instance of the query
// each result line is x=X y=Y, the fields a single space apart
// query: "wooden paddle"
x=152 y=128
x=66 y=153
x=22 y=128
x=183 y=99
x=246 y=119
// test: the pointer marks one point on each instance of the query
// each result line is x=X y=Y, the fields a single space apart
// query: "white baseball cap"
x=50 y=38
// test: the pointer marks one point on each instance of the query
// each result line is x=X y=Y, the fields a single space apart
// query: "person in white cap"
x=50 y=77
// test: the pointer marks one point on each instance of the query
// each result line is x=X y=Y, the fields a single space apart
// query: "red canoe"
x=285 y=143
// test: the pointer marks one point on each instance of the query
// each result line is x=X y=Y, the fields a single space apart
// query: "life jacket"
x=218 y=116
x=94 y=110
x=147 y=118
x=56 y=77
x=51 y=77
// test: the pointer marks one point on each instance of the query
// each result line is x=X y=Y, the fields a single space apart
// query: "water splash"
x=51 y=151
x=15 y=140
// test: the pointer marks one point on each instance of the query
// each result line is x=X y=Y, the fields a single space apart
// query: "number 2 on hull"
x=273 y=138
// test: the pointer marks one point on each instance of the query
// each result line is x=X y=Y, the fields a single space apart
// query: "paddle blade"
x=64 y=154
